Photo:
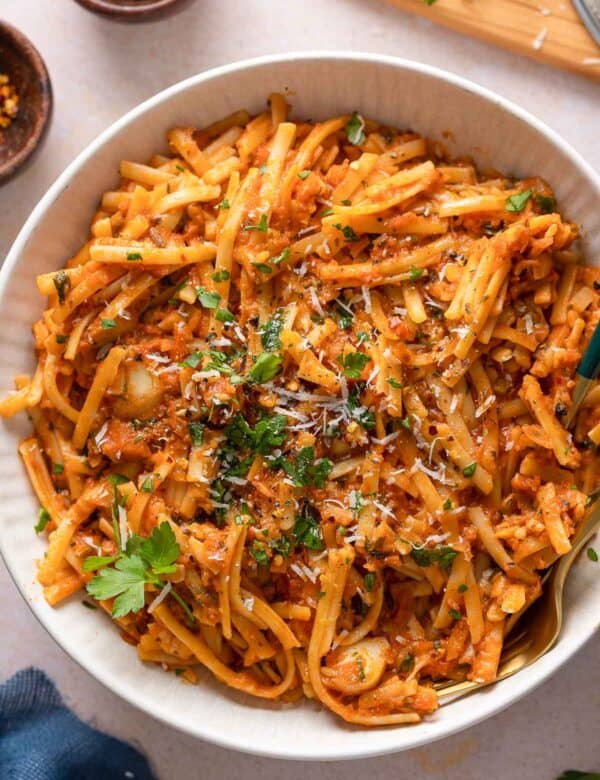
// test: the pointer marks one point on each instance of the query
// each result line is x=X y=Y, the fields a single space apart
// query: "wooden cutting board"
x=549 y=31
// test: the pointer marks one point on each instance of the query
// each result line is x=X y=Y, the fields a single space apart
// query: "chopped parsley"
x=407 y=663
x=262 y=224
x=347 y=231
x=369 y=581
x=355 y=129
x=281 y=257
x=304 y=174
x=268 y=433
x=455 y=614
x=259 y=552
x=518 y=202
x=283 y=545
x=263 y=268
x=269 y=333
x=462 y=588
x=415 y=273
x=60 y=338
x=58 y=468
x=447 y=505
x=394 y=383
x=469 y=470
x=307 y=529
x=224 y=315
x=592 y=554
x=546 y=203
x=192 y=361
x=44 y=518
x=428 y=556
x=303 y=469
x=221 y=276
x=353 y=364
x=108 y=324
x=224 y=204
x=266 y=366
x=358 y=412
x=207 y=299
x=134 y=256
x=147 y=485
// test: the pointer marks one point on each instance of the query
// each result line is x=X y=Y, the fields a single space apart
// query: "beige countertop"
x=100 y=70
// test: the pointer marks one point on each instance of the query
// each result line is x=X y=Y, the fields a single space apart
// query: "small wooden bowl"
x=22 y=63
x=128 y=10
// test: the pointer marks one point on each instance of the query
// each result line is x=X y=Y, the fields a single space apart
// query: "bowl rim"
x=560 y=653
x=127 y=11
x=29 y=52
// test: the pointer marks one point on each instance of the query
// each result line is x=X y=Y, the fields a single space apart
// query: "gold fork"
x=544 y=619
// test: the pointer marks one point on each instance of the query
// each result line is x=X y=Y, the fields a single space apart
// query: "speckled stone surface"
x=99 y=70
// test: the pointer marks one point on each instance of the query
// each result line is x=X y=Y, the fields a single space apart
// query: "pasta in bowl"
x=298 y=410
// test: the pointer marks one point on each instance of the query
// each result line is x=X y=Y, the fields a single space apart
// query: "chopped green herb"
x=358 y=411
x=134 y=256
x=43 y=520
x=369 y=581
x=405 y=422
x=266 y=366
x=259 y=552
x=592 y=554
x=263 y=268
x=462 y=588
x=108 y=324
x=304 y=174
x=326 y=212
x=407 y=663
x=268 y=433
x=362 y=337
x=303 y=469
x=224 y=204
x=269 y=333
x=281 y=257
x=347 y=231
x=346 y=202
x=518 y=202
x=283 y=545
x=224 y=315
x=180 y=168
x=262 y=224
x=469 y=470
x=207 y=299
x=58 y=468
x=196 y=431
x=355 y=129
x=428 y=556
x=147 y=485
x=415 y=273
x=447 y=505
x=546 y=203
x=307 y=529
x=193 y=360
x=359 y=663
x=394 y=383
x=62 y=283
x=353 y=364
x=60 y=338
x=221 y=276
x=455 y=614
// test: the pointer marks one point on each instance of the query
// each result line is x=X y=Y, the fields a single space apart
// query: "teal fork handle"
x=590 y=362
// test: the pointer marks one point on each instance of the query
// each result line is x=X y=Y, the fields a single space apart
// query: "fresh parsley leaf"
x=347 y=231
x=44 y=518
x=224 y=204
x=307 y=529
x=369 y=581
x=262 y=224
x=469 y=470
x=518 y=202
x=281 y=257
x=355 y=129
x=224 y=315
x=455 y=614
x=126 y=581
x=303 y=469
x=592 y=554
x=266 y=366
x=160 y=550
x=259 y=552
x=263 y=268
x=268 y=433
x=108 y=324
x=147 y=485
x=196 y=431
x=95 y=562
x=427 y=556
x=415 y=273
x=353 y=364
x=58 y=468
x=546 y=203
x=192 y=361
x=269 y=333
x=447 y=505
x=304 y=174
x=207 y=299
x=462 y=588
x=358 y=412
x=221 y=276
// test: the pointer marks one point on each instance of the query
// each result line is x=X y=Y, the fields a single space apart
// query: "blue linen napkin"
x=40 y=739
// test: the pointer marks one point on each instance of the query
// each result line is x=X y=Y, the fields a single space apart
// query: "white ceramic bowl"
x=320 y=85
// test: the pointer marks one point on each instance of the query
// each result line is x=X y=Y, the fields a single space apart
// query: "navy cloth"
x=40 y=739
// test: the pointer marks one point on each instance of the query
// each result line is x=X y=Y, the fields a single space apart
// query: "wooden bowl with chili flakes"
x=25 y=100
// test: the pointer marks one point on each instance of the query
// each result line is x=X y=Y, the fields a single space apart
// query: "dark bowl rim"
x=29 y=53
